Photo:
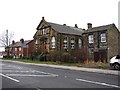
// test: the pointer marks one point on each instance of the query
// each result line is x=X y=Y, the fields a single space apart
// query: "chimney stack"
x=13 y=42
x=89 y=25
x=64 y=24
x=76 y=26
x=22 y=40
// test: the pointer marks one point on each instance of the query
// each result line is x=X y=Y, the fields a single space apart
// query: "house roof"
x=19 y=44
x=99 y=28
x=66 y=29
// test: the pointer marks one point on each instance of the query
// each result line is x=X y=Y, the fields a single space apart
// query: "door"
x=43 y=47
x=96 y=56
x=103 y=55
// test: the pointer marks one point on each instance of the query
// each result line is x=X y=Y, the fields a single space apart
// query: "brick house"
x=51 y=37
x=21 y=48
x=101 y=43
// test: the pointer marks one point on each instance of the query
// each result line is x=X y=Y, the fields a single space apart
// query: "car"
x=1 y=56
x=115 y=62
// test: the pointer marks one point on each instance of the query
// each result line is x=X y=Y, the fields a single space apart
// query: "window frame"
x=103 y=38
x=91 y=38
x=65 y=43
x=53 y=42
x=72 y=43
x=79 y=43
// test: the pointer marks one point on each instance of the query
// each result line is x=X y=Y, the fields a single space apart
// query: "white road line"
x=9 y=78
x=30 y=75
x=100 y=83
x=33 y=71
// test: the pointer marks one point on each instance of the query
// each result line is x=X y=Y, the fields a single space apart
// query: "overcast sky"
x=23 y=16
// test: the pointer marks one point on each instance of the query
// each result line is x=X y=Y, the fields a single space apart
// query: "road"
x=18 y=75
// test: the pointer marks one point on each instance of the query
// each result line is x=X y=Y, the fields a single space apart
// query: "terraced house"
x=52 y=37
x=22 y=48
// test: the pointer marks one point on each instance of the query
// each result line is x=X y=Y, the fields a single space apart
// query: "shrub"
x=61 y=57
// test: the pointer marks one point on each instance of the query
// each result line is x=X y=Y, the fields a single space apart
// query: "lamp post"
x=108 y=54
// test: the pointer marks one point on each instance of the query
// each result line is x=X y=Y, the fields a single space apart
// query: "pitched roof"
x=19 y=44
x=99 y=28
x=66 y=29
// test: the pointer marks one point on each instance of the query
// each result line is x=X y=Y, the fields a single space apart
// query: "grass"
x=99 y=65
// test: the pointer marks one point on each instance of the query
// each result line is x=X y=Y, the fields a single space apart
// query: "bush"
x=61 y=57
x=79 y=55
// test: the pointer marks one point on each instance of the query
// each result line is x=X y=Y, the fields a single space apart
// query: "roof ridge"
x=103 y=26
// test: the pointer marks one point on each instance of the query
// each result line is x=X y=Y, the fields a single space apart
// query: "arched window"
x=72 y=42
x=65 y=43
x=53 y=42
x=79 y=43
x=36 y=42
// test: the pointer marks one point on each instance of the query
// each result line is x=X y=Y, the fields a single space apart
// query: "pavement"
x=102 y=71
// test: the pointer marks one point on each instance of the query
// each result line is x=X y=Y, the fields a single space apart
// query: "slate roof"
x=19 y=44
x=66 y=29
x=99 y=28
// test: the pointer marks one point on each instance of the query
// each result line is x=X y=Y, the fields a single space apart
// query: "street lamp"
x=108 y=54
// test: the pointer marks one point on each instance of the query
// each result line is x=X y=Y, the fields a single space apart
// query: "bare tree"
x=6 y=38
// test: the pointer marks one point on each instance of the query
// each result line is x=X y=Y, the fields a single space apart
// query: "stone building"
x=51 y=37
x=102 y=42
x=96 y=43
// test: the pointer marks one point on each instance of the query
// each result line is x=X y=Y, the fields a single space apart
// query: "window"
x=15 y=49
x=65 y=43
x=79 y=43
x=19 y=48
x=118 y=57
x=91 y=39
x=43 y=31
x=36 y=42
x=72 y=43
x=53 y=42
x=103 y=37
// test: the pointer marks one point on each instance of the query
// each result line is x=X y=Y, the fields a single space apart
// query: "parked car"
x=115 y=62
x=1 y=56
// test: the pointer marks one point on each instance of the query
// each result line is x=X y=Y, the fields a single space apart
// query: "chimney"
x=76 y=26
x=64 y=24
x=13 y=42
x=89 y=25
x=22 y=40
x=83 y=29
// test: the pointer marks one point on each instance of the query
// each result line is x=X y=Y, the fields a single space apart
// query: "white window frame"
x=44 y=31
x=72 y=43
x=103 y=37
x=15 y=49
x=20 y=48
x=36 y=42
x=65 y=42
x=53 y=42
x=91 y=38
x=79 y=42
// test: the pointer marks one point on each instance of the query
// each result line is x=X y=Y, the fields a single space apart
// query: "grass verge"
x=99 y=65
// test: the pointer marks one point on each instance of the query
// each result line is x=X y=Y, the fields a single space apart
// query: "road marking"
x=29 y=75
x=33 y=71
x=9 y=77
x=100 y=83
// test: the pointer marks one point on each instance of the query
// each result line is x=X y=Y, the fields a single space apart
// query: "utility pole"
x=7 y=45
x=7 y=38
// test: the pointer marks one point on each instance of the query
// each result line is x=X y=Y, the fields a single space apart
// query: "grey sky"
x=23 y=16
